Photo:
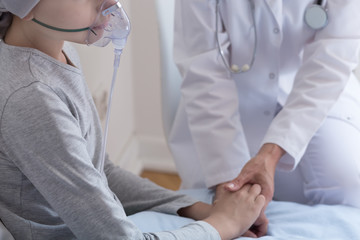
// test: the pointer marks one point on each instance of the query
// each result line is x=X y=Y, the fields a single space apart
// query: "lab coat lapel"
x=276 y=7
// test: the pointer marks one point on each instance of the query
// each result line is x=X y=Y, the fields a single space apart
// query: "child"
x=52 y=186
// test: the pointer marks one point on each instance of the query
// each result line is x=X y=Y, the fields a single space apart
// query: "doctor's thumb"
x=233 y=186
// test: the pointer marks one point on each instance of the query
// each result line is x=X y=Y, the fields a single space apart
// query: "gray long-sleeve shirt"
x=51 y=184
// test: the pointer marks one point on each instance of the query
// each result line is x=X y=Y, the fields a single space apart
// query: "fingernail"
x=231 y=185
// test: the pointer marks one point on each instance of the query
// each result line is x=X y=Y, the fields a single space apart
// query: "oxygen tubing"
x=117 y=54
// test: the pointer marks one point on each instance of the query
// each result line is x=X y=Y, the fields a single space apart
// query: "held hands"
x=238 y=204
x=259 y=170
x=233 y=213
x=259 y=227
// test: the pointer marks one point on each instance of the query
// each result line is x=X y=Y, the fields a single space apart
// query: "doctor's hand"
x=259 y=228
x=259 y=170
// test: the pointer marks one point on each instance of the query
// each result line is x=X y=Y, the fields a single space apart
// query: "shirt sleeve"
x=44 y=141
x=138 y=194
x=328 y=65
x=209 y=93
x=191 y=231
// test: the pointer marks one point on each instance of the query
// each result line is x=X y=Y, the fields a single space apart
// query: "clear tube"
x=112 y=25
x=106 y=129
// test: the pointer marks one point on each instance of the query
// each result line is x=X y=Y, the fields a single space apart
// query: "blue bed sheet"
x=288 y=221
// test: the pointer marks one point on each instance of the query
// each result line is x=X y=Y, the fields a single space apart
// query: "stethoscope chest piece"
x=316 y=17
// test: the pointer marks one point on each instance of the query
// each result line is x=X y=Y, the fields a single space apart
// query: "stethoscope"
x=315 y=17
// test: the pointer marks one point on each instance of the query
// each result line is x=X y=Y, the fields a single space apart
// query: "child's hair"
x=19 y=8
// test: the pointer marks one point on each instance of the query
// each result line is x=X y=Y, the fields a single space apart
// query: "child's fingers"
x=255 y=189
x=245 y=189
x=260 y=200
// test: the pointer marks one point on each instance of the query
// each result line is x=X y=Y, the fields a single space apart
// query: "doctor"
x=269 y=92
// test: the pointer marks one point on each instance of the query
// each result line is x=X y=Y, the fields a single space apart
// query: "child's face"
x=70 y=14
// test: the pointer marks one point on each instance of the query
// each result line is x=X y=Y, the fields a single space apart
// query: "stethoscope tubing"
x=221 y=52
x=234 y=68
x=321 y=3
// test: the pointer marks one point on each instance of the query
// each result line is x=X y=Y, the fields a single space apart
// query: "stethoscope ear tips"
x=235 y=68
x=245 y=68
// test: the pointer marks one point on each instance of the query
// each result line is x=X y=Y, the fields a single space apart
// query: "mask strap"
x=62 y=29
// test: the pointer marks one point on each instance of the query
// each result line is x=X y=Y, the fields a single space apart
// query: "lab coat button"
x=276 y=30
x=272 y=75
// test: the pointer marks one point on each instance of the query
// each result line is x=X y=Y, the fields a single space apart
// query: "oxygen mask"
x=112 y=24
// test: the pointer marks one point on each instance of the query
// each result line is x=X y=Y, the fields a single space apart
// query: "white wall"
x=153 y=150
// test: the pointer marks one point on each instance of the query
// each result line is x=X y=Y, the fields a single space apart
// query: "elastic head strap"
x=60 y=29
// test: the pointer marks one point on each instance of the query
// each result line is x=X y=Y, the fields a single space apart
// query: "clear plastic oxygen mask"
x=111 y=25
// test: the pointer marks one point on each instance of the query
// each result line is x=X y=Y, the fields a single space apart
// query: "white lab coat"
x=223 y=119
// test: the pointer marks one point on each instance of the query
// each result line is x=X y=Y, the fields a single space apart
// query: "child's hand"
x=234 y=213
x=197 y=211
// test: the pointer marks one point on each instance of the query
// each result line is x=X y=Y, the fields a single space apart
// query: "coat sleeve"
x=328 y=64
x=208 y=92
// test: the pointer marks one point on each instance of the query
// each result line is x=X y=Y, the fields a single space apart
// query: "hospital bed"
x=287 y=220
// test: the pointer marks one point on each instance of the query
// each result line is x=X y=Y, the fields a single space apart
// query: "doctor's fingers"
x=249 y=174
x=237 y=183
x=249 y=234
x=260 y=227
